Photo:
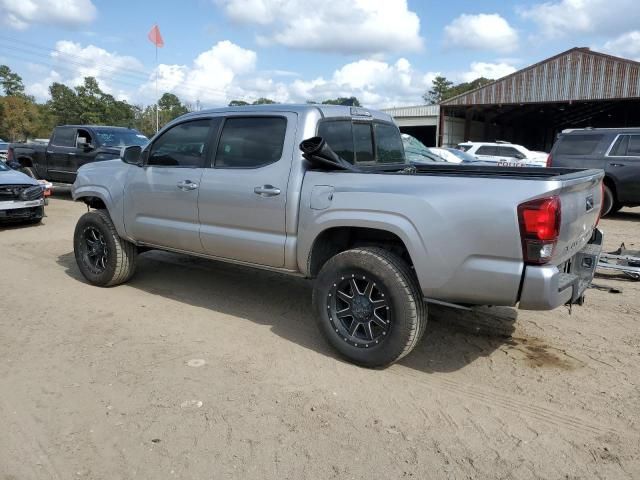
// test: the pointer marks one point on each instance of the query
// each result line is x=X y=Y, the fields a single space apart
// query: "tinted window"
x=251 y=142
x=487 y=150
x=389 y=148
x=363 y=142
x=508 y=152
x=120 y=138
x=634 y=146
x=578 y=144
x=620 y=147
x=339 y=137
x=464 y=148
x=181 y=146
x=64 y=137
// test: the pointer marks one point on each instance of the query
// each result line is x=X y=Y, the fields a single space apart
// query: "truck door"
x=57 y=155
x=623 y=165
x=85 y=150
x=161 y=197
x=243 y=197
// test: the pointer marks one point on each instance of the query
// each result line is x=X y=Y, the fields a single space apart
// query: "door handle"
x=616 y=164
x=266 y=191
x=187 y=185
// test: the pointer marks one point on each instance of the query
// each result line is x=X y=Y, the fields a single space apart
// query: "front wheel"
x=102 y=256
x=369 y=306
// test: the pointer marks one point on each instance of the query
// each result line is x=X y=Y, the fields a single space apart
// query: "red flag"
x=155 y=37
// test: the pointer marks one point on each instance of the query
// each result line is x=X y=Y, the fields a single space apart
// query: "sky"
x=385 y=52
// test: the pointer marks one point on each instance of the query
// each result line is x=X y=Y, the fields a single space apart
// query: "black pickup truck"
x=70 y=147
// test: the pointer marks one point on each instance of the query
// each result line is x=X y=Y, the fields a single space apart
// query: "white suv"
x=504 y=153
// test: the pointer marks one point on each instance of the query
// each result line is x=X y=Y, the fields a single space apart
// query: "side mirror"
x=132 y=155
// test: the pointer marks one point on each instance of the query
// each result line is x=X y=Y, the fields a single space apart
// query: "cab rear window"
x=578 y=144
x=363 y=142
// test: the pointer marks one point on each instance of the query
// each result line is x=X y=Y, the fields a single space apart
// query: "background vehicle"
x=416 y=151
x=614 y=150
x=504 y=153
x=21 y=197
x=380 y=235
x=454 y=155
x=4 y=147
x=70 y=147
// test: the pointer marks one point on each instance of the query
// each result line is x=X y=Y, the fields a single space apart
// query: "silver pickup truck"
x=325 y=192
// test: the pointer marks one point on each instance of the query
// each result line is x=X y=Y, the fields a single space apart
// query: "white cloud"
x=343 y=26
x=565 y=17
x=72 y=62
x=20 y=14
x=626 y=45
x=210 y=79
x=376 y=83
x=481 y=32
x=487 y=70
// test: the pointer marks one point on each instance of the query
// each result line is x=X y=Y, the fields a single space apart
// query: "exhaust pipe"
x=319 y=153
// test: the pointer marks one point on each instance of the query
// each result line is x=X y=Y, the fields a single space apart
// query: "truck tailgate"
x=580 y=202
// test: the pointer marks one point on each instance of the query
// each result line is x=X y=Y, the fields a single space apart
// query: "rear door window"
x=626 y=146
x=487 y=150
x=508 y=152
x=251 y=142
x=64 y=137
x=578 y=144
x=634 y=146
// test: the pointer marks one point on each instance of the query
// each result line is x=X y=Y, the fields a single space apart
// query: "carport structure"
x=578 y=88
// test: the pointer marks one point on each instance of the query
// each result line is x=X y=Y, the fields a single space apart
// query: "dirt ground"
x=201 y=370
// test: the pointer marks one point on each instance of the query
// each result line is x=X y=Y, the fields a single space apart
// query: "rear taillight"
x=539 y=228
x=549 y=160
x=10 y=155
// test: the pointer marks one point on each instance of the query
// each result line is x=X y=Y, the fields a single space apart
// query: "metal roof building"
x=574 y=89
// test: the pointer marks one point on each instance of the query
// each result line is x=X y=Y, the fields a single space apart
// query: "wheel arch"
x=98 y=198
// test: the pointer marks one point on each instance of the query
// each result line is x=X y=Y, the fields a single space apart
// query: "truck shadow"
x=454 y=338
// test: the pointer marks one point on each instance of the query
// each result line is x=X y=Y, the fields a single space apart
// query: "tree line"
x=21 y=117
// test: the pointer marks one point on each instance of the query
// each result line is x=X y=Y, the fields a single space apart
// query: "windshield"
x=464 y=156
x=120 y=138
x=417 y=152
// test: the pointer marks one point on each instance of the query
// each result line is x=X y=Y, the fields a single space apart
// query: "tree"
x=349 y=102
x=170 y=107
x=465 y=87
x=238 y=103
x=63 y=104
x=263 y=101
x=11 y=82
x=19 y=117
x=440 y=87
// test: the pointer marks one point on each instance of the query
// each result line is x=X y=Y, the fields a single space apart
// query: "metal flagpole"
x=157 y=99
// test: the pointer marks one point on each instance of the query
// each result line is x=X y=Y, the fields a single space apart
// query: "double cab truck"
x=325 y=192
x=70 y=147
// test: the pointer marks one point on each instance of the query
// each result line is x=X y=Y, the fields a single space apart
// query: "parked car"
x=504 y=153
x=70 y=147
x=326 y=192
x=454 y=155
x=4 y=147
x=416 y=151
x=21 y=197
x=614 y=150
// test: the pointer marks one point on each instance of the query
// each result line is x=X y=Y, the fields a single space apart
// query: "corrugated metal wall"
x=578 y=74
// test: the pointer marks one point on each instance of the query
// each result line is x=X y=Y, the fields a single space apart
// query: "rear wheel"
x=29 y=171
x=608 y=201
x=102 y=256
x=369 y=306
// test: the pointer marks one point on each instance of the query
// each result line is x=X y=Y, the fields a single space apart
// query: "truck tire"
x=609 y=204
x=102 y=256
x=29 y=171
x=369 y=306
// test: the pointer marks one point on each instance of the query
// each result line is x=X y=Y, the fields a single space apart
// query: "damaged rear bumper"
x=549 y=286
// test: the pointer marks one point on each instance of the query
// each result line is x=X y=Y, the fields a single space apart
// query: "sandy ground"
x=200 y=370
